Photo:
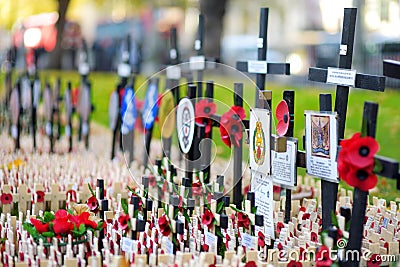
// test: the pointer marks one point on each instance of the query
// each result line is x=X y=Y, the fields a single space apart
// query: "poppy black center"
x=363 y=151
x=207 y=110
x=285 y=118
x=362 y=175
x=235 y=128
x=235 y=117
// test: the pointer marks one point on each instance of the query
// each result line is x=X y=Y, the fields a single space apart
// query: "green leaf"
x=378 y=167
x=334 y=219
x=48 y=234
x=100 y=225
x=31 y=230
x=48 y=217
x=135 y=213
x=91 y=190
x=220 y=207
x=254 y=209
x=234 y=208
x=124 y=205
x=186 y=215
x=347 y=227
x=70 y=211
x=130 y=189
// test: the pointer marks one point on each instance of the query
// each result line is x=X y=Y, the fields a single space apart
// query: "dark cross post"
x=391 y=68
x=288 y=96
x=149 y=132
x=9 y=63
x=115 y=118
x=56 y=108
x=261 y=67
x=68 y=107
x=48 y=105
x=35 y=97
x=206 y=145
x=198 y=46
x=328 y=189
x=237 y=152
x=361 y=197
x=363 y=81
x=127 y=139
x=84 y=70
x=172 y=82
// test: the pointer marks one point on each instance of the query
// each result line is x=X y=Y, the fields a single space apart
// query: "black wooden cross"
x=389 y=169
x=391 y=68
x=261 y=67
x=48 y=107
x=35 y=98
x=173 y=73
x=343 y=77
x=68 y=110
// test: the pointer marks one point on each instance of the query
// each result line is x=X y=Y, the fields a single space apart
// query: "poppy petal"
x=282 y=128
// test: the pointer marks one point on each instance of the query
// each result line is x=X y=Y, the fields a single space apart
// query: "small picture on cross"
x=320 y=138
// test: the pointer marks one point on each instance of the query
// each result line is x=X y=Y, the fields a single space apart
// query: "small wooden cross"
x=23 y=198
x=54 y=196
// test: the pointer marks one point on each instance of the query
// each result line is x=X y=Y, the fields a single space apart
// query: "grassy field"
x=306 y=98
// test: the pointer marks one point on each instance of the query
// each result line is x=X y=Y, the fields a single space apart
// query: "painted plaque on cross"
x=284 y=170
x=321 y=144
x=262 y=186
x=260 y=132
x=185 y=124
x=150 y=109
x=128 y=111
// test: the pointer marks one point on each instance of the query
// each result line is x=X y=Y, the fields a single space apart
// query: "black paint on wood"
x=391 y=68
x=328 y=189
x=237 y=153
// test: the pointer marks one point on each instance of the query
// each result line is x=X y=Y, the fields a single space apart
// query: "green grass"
x=388 y=125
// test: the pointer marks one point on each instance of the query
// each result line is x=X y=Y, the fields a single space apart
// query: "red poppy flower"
x=374 y=261
x=231 y=125
x=243 y=220
x=279 y=246
x=203 y=110
x=279 y=227
x=62 y=226
x=123 y=220
x=39 y=226
x=93 y=204
x=39 y=196
x=197 y=189
x=283 y=117
x=6 y=198
x=359 y=151
x=323 y=257
x=205 y=247
x=293 y=263
x=83 y=218
x=72 y=195
x=246 y=189
x=61 y=215
x=227 y=238
x=261 y=239
x=306 y=216
x=250 y=264
x=207 y=218
x=314 y=237
x=362 y=178
x=163 y=223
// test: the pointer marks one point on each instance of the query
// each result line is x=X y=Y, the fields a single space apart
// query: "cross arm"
x=364 y=81
x=272 y=68
x=391 y=68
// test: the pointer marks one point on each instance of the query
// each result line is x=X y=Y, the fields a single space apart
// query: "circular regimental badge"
x=185 y=124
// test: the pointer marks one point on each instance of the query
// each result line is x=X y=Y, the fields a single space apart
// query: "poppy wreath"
x=76 y=222
x=356 y=161
x=203 y=110
x=231 y=126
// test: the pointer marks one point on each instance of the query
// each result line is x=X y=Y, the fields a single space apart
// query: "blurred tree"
x=213 y=11
x=56 y=54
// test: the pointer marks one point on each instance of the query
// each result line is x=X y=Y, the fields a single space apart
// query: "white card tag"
x=248 y=241
x=124 y=70
x=254 y=66
x=68 y=131
x=197 y=63
x=14 y=131
x=341 y=77
x=343 y=50
x=210 y=239
x=48 y=128
x=85 y=128
x=84 y=68
x=173 y=72
x=260 y=43
x=127 y=244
